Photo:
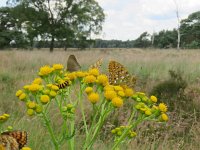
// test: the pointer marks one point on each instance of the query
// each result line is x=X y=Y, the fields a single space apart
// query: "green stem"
x=50 y=130
x=125 y=133
x=82 y=110
x=99 y=126
x=72 y=126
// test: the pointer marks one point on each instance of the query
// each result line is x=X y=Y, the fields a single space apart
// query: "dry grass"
x=150 y=66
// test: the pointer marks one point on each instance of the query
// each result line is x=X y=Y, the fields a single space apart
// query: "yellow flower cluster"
x=21 y=95
x=116 y=94
x=119 y=131
x=34 y=87
x=51 y=90
x=37 y=81
x=33 y=107
x=147 y=106
x=45 y=70
x=4 y=117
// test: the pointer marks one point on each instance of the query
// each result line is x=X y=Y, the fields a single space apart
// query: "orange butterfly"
x=118 y=75
x=97 y=64
x=13 y=140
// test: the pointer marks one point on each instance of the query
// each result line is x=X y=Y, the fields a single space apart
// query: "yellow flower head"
x=58 y=66
x=128 y=92
x=26 y=87
x=6 y=115
x=102 y=79
x=164 y=117
x=108 y=88
x=31 y=105
x=22 y=96
x=71 y=76
x=80 y=74
x=118 y=88
x=37 y=81
x=148 y=112
x=52 y=93
x=26 y=148
x=44 y=99
x=88 y=90
x=47 y=91
x=121 y=93
x=90 y=79
x=18 y=93
x=93 y=97
x=30 y=112
x=94 y=72
x=132 y=134
x=34 y=87
x=45 y=70
x=117 y=102
x=140 y=94
x=110 y=95
x=38 y=109
x=162 y=107
x=55 y=87
x=153 y=99
x=49 y=85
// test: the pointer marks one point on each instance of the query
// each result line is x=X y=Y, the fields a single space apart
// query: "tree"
x=63 y=19
x=9 y=30
x=165 y=39
x=190 y=29
x=143 y=41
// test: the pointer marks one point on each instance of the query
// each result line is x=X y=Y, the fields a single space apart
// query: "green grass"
x=18 y=68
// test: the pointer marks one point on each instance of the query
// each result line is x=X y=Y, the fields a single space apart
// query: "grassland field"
x=19 y=67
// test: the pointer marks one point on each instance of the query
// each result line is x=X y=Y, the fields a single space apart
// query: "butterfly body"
x=13 y=140
x=119 y=75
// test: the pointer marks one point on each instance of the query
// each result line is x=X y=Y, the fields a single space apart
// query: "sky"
x=127 y=19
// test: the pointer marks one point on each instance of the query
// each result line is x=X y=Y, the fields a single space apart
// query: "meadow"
x=151 y=67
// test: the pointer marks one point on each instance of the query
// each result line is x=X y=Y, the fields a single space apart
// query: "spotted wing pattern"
x=14 y=140
x=72 y=64
x=97 y=64
x=118 y=75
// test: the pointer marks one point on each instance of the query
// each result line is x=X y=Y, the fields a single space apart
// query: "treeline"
x=32 y=25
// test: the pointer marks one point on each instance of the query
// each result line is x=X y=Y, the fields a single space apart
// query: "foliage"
x=172 y=89
x=143 y=41
x=9 y=30
x=190 y=30
x=62 y=20
x=165 y=39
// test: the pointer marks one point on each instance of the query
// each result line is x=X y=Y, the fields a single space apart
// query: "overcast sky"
x=127 y=19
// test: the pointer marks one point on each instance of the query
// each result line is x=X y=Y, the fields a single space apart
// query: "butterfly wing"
x=19 y=136
x=72 y=64
x=97 y=64
x=8 y=143
x=118 y=75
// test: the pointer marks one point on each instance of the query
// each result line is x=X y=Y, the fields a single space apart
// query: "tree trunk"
x=52 y=44
x=179 y=39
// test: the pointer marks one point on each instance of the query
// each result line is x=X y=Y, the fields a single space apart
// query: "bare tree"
x=178 y=27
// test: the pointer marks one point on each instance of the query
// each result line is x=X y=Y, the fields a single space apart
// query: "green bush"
x=171 y=91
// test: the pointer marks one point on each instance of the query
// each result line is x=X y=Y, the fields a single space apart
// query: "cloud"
x=129 y=18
